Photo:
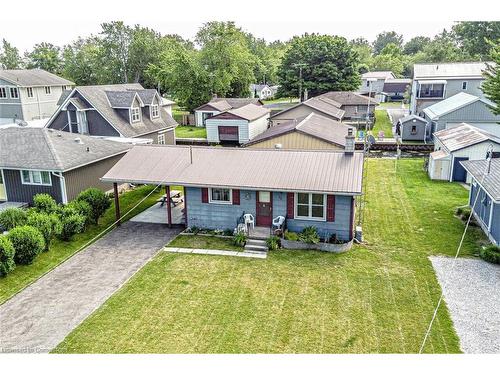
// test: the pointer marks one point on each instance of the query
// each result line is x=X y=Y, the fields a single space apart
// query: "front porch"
x=158 y=214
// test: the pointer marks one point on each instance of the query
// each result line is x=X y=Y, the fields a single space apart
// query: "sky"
x=60 y=22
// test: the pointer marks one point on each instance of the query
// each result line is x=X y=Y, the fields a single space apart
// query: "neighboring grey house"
x=395 y=89
x=460 y=108
x=412 y=128
x=354 y=105
x=124 y=110
x=376 y=80
x=454 y=145
x=29 y=94
x=485 y=182
x=435 y=82
x=218 y=105
x=261 y=91
x=39 y=160
x=238 y=125
x=318 y=105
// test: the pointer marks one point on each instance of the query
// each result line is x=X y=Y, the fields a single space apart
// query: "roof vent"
x=78 y=140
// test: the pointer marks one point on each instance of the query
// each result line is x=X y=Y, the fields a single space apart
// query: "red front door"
x=264 y=208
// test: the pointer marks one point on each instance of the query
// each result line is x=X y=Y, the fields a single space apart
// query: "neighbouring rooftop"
x=33 y=77
x=463 y=136
x=453 y=103
x=488 y=178
x=450 y=70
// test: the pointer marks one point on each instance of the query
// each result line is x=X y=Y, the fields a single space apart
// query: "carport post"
x=117 y=204
x=169 y=206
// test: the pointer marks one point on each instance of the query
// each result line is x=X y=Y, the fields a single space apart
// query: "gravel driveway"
x=471 y=291
x=38 y=318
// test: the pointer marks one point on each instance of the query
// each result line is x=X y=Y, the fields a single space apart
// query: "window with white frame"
x=310 y=206
x=36 y=178
x=220 y=195
x=155 y=112
x=29 y=91
x=14 y=93
x=135 y=114
x=464 y=85
x=48 y=90
x=161 y=139
x=3 y=93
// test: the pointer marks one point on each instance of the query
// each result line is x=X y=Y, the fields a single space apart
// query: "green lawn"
x=204 y=242
x=376 y=298
x=382 y=123
x=190 y=132
x=60 y=250
x=391 y=105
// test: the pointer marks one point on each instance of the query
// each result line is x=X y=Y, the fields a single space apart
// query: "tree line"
x=223 y=59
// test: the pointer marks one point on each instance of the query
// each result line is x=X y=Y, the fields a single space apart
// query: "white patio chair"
x=249 y=220
x=278 y=222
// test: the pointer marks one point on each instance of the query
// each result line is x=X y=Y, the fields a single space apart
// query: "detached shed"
x=412 y=128
x=452 y=146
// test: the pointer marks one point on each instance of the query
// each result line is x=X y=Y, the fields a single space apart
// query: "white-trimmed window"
x=155 y=111
x=464 y=85
x=161 y=139
x=48 y=90
x=135 y=114
x=36 y=178
x=29 y=91
x=3 y=93
x=310 y=206
x=220 y=195
x=14 y=93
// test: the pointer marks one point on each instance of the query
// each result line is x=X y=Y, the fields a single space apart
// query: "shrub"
x=49 y=225
x=273 y=243
x=464 y=213
x=44 y=203
x=12 y=217
x=309 y=235
x=28 y=242
x=490 y=254
x=228 y=232
x=291 y=236
x=7 y=263
x=71 y=224
x=239 y=239
x=82 y=208
x=97 y=200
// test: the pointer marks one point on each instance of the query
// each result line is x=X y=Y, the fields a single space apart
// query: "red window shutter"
x=330 y=208
x=290 y=209
x=236 y=197
x=204 y=195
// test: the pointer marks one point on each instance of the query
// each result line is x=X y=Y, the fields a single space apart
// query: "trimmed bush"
x=28 y=242
x=490 y=254
x=12 y=217
x=464 y=213
x=7 y=263
x=45 y=203
x=72 y=223
x=97 y=200
x=49 y=225
x=82 y=208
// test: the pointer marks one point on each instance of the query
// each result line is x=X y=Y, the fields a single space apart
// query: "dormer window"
x=155 y=112
x=135 y=114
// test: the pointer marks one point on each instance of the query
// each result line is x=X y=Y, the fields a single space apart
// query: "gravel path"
x=472 y=292
x=40 y=317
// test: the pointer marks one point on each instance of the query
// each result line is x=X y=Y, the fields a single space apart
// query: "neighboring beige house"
x=313 y=132
x=29 y=94
x=317 y=105
x=219 y=105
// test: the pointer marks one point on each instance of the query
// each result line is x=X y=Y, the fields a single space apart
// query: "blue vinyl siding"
x=225 y=216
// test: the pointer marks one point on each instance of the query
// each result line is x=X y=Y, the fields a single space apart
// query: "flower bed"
x=321 y=246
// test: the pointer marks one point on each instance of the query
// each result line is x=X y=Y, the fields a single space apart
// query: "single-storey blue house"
x=308 y=188
x=485 y=182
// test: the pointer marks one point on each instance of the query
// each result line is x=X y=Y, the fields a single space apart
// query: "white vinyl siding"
x=246 y=130
x=36 y=178
x=3 y=93
x=14 y=93
x=29 y=92
x=48 y=90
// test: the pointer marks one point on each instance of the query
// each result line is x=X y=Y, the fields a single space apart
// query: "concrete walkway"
x=470 y=288
x=242 y=254
x=40 y=317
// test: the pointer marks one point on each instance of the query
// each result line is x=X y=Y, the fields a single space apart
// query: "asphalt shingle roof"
x=121 y=99
x=48 y=149
x=33 y=77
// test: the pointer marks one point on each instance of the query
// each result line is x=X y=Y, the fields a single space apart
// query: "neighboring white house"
x=29 y=94
x=460 y=108
x=238 y=125
x=451 y=146
x=377 y=81
x=167 y=105
x=219 y=105
x=435 y=82
x=263 y=91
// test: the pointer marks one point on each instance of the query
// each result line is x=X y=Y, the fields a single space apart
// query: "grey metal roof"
x=33 y=77
x=317 y=126
x=348 y=98
x=411 y=118
x=48 y=149
x=378 y=75
x=278 y=170
x=489 y=181
x=450 y=70
x=464 y=136
x=453 y=103
x=225 y=104
x=250 y=112
x=98 y=98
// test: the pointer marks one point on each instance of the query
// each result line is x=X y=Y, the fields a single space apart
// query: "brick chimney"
x=349 y=142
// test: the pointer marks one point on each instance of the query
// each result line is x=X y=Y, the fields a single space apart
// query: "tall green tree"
x=364 y=50
x=9 y=56
x=328 y=63
x=390 y=58
x=115 y=39
x=384 y=38
x=474 y=37
x=491 y=84
x=44 y=56
x=443 y=48
x=416 y=44
x=84 y=62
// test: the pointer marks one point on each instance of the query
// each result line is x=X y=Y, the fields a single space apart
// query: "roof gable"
x=33 y=77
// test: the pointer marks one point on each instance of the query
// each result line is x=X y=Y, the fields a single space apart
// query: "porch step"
x=254 y=245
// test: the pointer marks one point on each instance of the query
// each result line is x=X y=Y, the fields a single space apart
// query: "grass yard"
x=204 y=242
x=190 y=132
x=382 y=123
x=60 y=250
x=377 y=298
x=391 y=105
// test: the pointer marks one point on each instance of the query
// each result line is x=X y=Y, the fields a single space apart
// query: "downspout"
x=62 y=182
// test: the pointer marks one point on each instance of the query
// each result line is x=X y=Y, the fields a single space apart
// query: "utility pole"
x=300 y=66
